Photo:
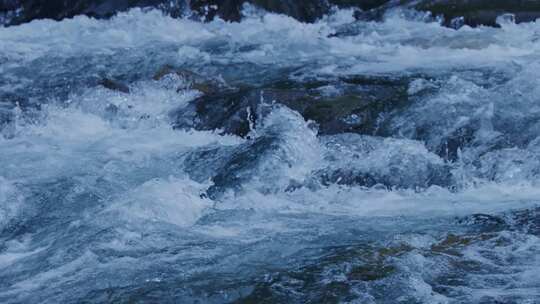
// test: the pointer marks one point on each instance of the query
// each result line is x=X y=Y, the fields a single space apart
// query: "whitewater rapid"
x=102 y=200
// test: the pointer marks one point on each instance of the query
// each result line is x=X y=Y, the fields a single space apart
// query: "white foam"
x=175 y=201
x=360 y=202
x=398 y=44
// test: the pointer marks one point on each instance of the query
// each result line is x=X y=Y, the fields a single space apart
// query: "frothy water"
x=434 y=201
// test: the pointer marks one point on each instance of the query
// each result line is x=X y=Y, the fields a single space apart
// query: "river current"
x=106 y=197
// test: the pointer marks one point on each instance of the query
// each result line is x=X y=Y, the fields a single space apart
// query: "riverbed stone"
x=359 y=106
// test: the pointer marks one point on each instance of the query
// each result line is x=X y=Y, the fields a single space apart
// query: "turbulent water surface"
x=111 y=196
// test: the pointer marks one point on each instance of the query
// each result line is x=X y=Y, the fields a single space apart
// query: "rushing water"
x=102 y=200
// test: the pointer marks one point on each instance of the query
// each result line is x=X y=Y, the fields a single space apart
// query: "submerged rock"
x=230 y=167
x=359 y=105
x=333 y=275
x=234 y=111
x=227 y=112
x=362 y=106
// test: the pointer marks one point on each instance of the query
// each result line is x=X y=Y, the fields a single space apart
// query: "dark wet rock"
x=8 y=5
x=9 y=9
x=480 y=12
x=234 y=111
x=348 y=114
x=114 y=85
x=227 y=111
x=359 y=106
x=22 y=11
x=14 y=12
x=211 y=165
x=239 y=167
x=371 y=272
x=228 y=167
x=231 y=167
x=305 y=11
x=344 y=176
x=451 y=145
x=230 y=10
x=335 y=276
x=455 y=12
x=362 y=4
x=269 y=162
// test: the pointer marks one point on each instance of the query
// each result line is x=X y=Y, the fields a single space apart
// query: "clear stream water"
x=101 y=200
